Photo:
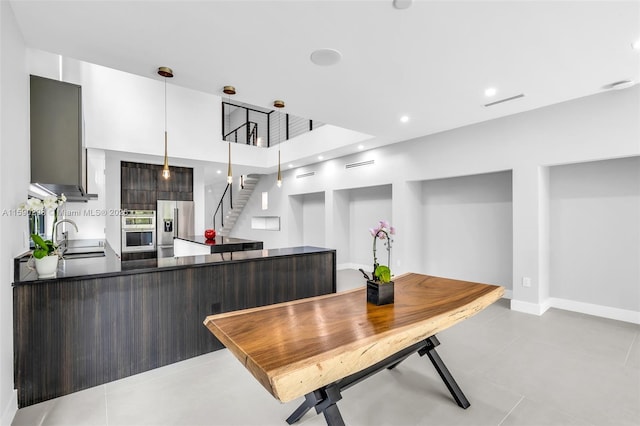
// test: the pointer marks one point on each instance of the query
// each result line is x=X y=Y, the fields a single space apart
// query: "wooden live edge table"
x=319 y=346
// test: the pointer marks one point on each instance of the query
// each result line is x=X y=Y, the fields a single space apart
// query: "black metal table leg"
x=324 y=399
x=310 y=401
x=332 y=416
x=443 y=371
x=395 y=364
x=328 y=406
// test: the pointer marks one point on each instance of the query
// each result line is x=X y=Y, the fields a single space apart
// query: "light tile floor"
x=561 y=368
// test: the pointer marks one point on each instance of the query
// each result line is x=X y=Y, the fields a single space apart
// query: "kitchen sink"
x=79 y=249
x=80 y=255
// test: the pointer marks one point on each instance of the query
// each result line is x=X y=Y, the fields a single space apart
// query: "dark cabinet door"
x=142 y=185
x=178 y=187
x=56 y=132
x=138 y=186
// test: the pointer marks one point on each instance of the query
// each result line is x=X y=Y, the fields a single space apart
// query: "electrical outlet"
x=526 y=282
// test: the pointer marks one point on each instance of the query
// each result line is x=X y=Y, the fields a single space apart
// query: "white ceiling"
x=431 y=61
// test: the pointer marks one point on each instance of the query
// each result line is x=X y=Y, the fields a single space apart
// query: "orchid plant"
x=383 y=231
x=35 y=206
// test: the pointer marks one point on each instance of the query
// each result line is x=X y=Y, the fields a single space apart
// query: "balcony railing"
x=251 y=125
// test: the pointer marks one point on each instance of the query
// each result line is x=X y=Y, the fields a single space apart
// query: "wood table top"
x=294 y=348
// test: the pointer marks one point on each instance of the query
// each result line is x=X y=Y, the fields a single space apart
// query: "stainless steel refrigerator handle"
x=175 y=219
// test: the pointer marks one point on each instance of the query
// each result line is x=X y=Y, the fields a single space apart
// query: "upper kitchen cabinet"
x=142 y=185
x=178 y=187
x=138 y=186
x=57 y=151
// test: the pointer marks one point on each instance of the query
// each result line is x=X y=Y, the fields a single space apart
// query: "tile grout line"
x=106 y=406
x=626 y=359
x=511 y=411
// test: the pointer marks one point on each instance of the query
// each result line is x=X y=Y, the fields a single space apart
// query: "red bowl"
x=209 y=234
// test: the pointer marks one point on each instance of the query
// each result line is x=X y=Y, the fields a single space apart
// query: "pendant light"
x=229 y=90
x=279 y=104
x=165 y=72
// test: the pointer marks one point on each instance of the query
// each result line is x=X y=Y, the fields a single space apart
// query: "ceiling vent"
x=359 y=164
x=521 y=95
x=304 y=175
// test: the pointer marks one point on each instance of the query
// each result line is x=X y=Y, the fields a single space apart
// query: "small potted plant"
x=380 y=289
x=46 y=257
x=45 y=252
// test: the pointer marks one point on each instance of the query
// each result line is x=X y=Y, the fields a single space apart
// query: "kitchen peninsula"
x=102 y=319
x=197 y=245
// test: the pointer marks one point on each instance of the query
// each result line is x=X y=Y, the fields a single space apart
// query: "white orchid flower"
x=50 y=202
x=34 y=204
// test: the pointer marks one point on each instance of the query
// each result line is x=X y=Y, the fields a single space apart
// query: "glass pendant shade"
x=279 y=181
x=165 y=168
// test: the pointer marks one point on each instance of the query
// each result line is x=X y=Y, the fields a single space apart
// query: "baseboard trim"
x=529 y=308
x=355 y=266
x=9 y=412
x=574 y=306
x=508 y=294
x=596 y=310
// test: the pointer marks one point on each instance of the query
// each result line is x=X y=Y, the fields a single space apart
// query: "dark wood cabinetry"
x=179 y=187
x=72 y=334
x=142 y=185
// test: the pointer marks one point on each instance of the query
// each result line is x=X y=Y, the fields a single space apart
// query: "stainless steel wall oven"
x=138 y=231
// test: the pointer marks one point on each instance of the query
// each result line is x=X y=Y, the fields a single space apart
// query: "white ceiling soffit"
x=431 y=62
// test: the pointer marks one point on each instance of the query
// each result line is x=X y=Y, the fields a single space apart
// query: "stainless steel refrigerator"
x=173 y=219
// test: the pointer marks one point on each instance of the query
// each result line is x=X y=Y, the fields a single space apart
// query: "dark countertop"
x=111 y=265
x=221 y=244
x=218 y=240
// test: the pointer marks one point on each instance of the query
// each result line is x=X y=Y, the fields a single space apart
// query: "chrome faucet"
x=64 y=233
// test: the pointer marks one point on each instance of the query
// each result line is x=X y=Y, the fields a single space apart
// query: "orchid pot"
x=47 y=266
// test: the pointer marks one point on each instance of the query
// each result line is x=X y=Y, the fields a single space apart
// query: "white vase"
x=47 y=266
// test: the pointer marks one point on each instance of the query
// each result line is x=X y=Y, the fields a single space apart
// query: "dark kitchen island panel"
x=75 y=333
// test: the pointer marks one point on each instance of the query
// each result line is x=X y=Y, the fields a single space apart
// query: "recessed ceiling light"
x=404 y=118
x=218 y=171
x=325 y=57
x=320 y=157
x=360 y=146
x=636 y=44
x=490 y=91
x=402 y=4
x=290 y=166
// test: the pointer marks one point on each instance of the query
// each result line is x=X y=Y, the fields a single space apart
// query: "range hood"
x=58 y=157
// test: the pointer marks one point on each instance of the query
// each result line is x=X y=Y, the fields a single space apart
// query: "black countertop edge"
x=111 y=265
x=218 y=240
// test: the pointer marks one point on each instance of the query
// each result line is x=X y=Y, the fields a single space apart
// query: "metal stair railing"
x=251 y=133
x=248 y=186
x=221 y=204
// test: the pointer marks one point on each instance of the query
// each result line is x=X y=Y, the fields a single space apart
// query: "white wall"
x=367 y=207
x=14 y=181
x=125 y=112
x=313 y=219
x=90 y=216
x=603 y=126
x=468 y=228
x=595 y=232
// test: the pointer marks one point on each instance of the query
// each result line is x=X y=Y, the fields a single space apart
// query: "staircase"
x=239 y=201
